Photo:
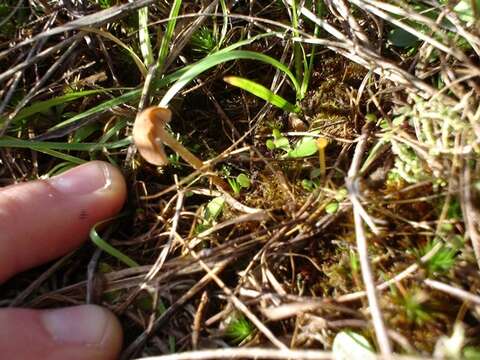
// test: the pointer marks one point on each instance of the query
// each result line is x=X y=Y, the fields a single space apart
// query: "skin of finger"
x=23 y=336
x=38 y=223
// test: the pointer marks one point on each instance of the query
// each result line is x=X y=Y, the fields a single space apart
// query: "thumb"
x=41 y=220
x=86 y=332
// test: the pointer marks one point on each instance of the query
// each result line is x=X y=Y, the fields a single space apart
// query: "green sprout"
x=279 y=142
x=240 y=182
x=203 y=41
x=211 y=213
x=239 y=329
x=354 y=261
x=105 y=4
x=442 y=261
x=310 y=184
x=332 y=207
x=414 y=306
x=307 y=146
x=413 y=303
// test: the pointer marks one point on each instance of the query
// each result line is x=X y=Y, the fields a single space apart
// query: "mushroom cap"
x=148 y=124
x=322 y=143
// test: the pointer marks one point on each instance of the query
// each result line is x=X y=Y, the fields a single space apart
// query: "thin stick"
x=198 y=319
x=471 y=216
x=362 y=248
x=261 y=353
x=453 y=291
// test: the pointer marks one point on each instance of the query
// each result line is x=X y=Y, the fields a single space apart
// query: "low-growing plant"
x=212 y=211
x=239 y=329
x=238 y=183
x=442 y=261
x=306 y=146
x=413 y=303
x=203 y=41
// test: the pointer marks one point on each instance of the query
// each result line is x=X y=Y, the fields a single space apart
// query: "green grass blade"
x=58 y=169
x=107 y=105
x=248 y=41
x=60 y=155
x=221 y=57
x=309 y=68
x=297 y=51
x=162 y=56
x=10 y=142
x=144 y=37
x=42 y=106
x=109 y=249
x=223 y=32
x=121 y=124
x=130 y=96
x=262 y=92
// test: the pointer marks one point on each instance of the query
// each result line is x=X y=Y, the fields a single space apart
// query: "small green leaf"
x=214 y=208
x=239 y=329
x=341 y=194
x=370 y=117
x=243 y=180
x=282 y=143
x=465 y=10
x=305 y=147
x=401 y=38
x=203 y=41
x=308 y=185
x=270 y=144
x=276 y=134
x=332 y=207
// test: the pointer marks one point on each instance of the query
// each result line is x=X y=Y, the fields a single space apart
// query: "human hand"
x=39 y=221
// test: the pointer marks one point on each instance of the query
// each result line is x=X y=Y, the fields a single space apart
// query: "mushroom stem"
x=321 y=145
x=165 y=138
x=186 y=155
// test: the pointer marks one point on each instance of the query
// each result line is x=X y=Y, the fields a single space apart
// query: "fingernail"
x=79 y=325
x=83 y=179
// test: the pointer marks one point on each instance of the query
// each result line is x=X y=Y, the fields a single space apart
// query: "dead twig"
x=362 y=248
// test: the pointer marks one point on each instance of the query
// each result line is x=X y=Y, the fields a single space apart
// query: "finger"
x=43 y=219
x=82 y=332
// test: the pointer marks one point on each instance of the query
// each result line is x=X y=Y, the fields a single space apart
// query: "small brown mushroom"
x=146 y=131
x=149 y=135
x=321 y=145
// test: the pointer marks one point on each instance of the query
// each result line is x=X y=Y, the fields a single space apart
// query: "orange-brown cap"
x=146 y=129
